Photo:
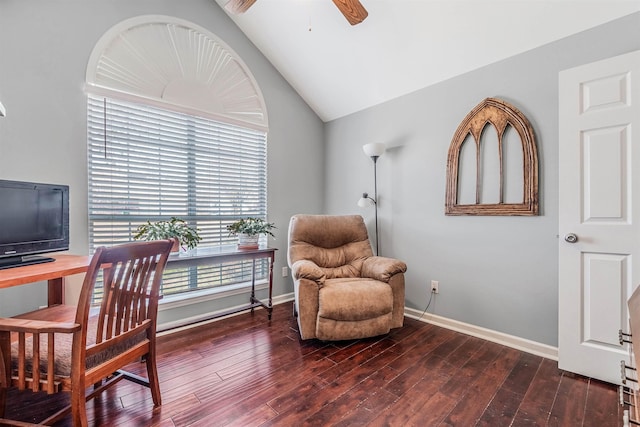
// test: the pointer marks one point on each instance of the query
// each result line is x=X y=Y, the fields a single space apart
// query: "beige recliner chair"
x=342 y=291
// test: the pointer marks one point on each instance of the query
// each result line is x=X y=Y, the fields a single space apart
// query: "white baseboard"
x=205 y=318
x=512 y=341
x=280 y=299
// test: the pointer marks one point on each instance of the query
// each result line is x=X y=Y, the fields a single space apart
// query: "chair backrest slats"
x=131 y=276
x=128 y=290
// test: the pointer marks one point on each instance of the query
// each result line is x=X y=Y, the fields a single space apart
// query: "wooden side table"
x=220 y=254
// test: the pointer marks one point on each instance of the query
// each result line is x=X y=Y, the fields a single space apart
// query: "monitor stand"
x=19 y=261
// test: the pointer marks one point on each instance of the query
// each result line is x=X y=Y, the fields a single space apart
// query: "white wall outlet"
x=435 y=286
x=285 y=271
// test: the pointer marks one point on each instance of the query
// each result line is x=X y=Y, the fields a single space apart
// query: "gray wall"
x=499 y=273
x=44 y=49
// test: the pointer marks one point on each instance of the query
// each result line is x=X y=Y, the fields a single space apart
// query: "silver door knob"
x=571 y=238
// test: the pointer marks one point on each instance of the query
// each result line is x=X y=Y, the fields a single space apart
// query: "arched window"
x=478 y=184
x=177 y=127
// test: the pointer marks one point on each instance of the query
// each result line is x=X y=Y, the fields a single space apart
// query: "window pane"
x=147 y=163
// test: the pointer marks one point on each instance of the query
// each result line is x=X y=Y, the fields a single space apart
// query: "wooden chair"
x=76 y=347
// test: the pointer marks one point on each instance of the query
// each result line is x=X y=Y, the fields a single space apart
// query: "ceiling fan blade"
x=239 y=6
x=352 y=10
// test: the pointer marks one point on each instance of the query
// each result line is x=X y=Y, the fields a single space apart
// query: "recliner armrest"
x=305 y=269
x=382 y=268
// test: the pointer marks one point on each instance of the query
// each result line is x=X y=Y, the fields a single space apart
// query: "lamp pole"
x=375 y=196
x=373 y=150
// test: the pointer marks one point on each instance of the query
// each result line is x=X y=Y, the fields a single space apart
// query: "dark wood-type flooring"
x=246 y=371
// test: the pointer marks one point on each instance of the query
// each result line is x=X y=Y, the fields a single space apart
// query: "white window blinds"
x=148 y=163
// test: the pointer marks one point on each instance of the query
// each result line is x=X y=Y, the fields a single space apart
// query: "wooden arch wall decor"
x=500 y=114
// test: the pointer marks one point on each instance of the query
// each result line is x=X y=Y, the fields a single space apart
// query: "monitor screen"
x=31 y=215
x=34 y=219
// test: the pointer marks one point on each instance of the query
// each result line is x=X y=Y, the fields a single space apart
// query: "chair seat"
x=63 y=344
x=354 y=299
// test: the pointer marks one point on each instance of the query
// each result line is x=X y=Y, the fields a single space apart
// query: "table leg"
x=55 y=291
x=253 y=282
x=271 y=262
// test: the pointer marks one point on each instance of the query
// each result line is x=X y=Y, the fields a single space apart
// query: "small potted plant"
x=249 y=230
x=188 y=236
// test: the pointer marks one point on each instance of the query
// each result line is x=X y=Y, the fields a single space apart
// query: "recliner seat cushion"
x=354 y=299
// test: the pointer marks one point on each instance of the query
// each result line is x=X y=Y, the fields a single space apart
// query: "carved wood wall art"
x=501 y=115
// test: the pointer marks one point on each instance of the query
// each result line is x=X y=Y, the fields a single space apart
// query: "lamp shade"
x=365 y=201
x=3 y=111
x=375 y=149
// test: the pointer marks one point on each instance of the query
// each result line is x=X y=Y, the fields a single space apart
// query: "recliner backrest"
x=338 y=244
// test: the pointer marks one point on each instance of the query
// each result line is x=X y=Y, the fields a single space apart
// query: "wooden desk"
x=67 y=265
x=54 y=272
x=220 y=254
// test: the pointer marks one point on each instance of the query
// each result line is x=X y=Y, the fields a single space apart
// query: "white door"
x=600 y=205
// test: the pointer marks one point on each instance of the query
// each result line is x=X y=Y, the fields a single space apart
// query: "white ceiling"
x=404 y=45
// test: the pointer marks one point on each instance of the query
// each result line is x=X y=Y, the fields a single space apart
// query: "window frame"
x=125 y=142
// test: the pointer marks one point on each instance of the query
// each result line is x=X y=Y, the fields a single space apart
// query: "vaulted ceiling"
x=404 y=45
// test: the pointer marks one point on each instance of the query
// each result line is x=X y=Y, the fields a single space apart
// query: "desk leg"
x=56 y=291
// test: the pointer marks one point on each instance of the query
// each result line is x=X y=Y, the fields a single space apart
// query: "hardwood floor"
x=245 y=371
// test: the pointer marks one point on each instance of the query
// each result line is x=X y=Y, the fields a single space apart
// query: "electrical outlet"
x=435 y=286
x=285 y=271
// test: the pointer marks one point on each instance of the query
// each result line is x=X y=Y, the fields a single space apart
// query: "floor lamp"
x=373 y=150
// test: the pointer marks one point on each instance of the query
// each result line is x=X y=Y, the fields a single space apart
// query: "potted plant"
x=188 y=236
x=249 y=230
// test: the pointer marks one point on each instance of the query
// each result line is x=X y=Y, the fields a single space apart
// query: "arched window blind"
x=148 y=163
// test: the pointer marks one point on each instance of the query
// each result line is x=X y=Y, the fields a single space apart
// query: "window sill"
x=195 y=297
